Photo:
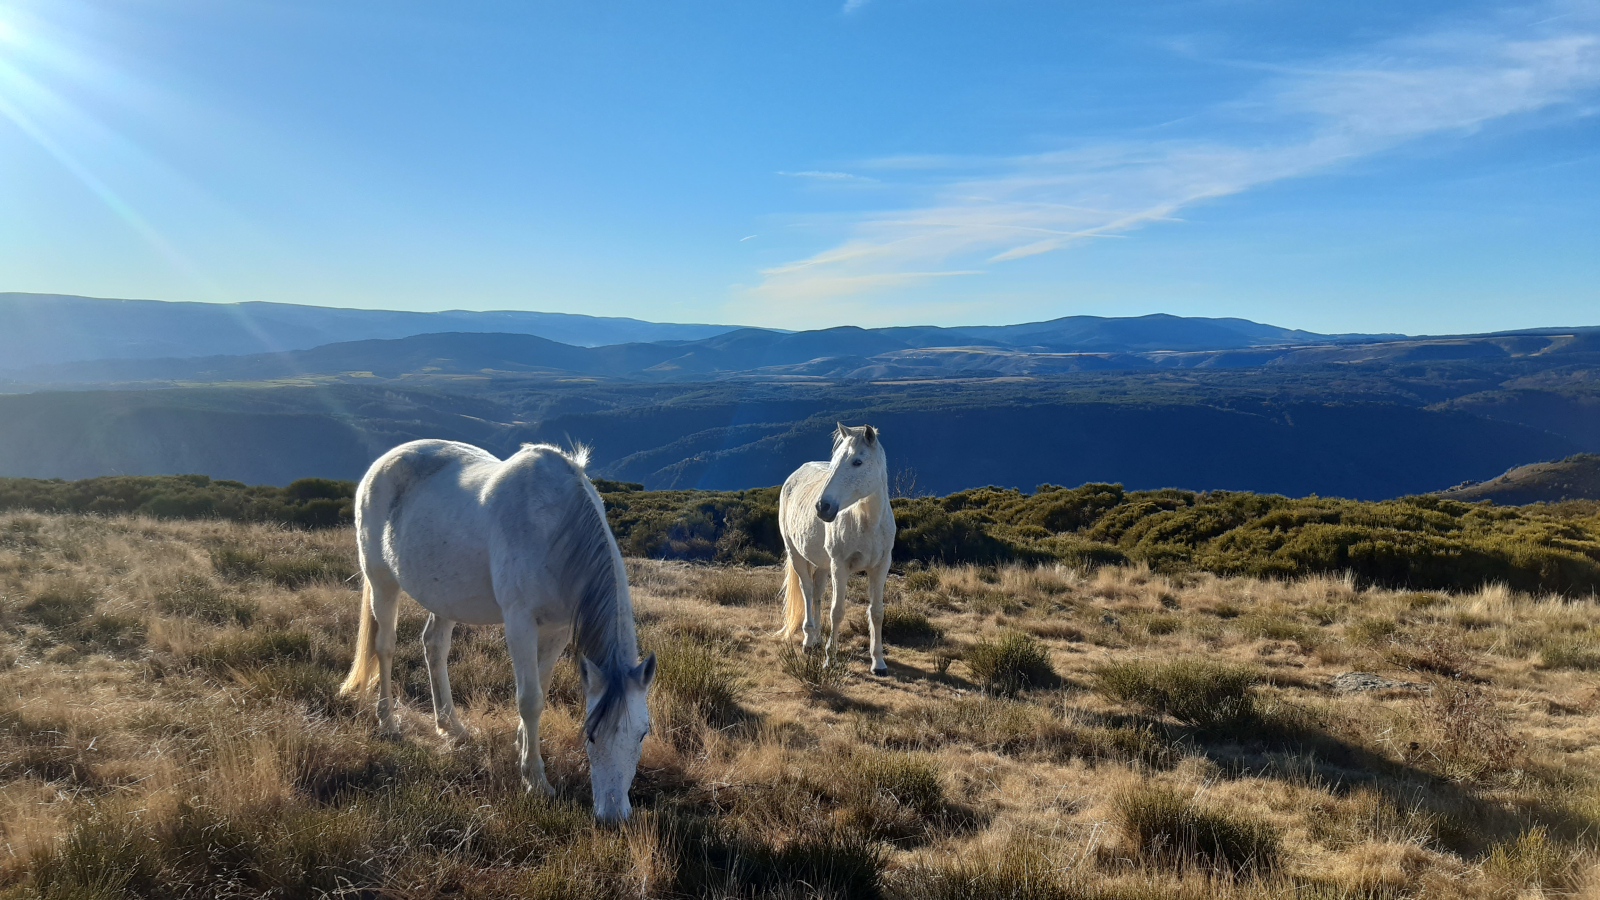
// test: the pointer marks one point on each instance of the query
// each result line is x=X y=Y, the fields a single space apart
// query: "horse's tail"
x=364 y=670
x=794 y=602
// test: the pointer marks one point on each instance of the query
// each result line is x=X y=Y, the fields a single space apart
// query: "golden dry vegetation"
x=169 y=728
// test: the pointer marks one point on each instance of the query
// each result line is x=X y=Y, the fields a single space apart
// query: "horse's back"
x=421 y=520
x=456 y=526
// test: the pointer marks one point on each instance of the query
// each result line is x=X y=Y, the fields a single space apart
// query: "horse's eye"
x=856 y=463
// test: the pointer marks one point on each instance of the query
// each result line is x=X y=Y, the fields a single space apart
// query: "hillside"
x=170 y=728
x=1574 y=478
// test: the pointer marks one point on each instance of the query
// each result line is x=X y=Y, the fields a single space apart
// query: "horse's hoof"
x=881 y=672
x=543 y=787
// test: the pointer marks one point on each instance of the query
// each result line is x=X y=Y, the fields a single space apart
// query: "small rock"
x=1357 y=682
x=1112 y=621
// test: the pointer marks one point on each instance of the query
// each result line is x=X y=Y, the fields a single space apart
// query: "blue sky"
x=1360 y=166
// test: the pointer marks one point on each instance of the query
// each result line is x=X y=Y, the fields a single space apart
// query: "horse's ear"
x=645 y=672
x=587 y=672
x=872 y=435
x=843 y=431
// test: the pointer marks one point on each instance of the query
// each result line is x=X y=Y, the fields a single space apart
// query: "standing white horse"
x=525 y=542
x=836 y=521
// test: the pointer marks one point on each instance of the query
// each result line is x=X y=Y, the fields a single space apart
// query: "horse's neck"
x=873 y=505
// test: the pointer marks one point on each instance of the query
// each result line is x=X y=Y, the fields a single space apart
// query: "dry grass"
x=169 y=727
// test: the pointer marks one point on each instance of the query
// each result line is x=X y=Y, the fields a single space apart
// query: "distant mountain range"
x=58 y=340
x=846 y=353
x=41 y=329
x=1152 y=401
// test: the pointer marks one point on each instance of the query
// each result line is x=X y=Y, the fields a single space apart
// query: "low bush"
x=1167 y=827
x=1197 y=692
x=1422 y=542
x=1012 y=663
x=307 y=503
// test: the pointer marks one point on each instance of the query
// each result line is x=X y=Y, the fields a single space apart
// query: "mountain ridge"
x=845 y=352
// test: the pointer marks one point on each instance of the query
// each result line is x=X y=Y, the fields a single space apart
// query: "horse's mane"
x=578 y=454
x=602 y=616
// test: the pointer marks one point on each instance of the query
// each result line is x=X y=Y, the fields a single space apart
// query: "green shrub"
x=1169 y=827
x=307 y=503
x=1015 y=662
x=1420 y=543
x=1194 y=691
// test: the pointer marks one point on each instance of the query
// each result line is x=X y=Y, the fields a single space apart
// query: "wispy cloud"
x=851 y=6
x=986 y=212
x=829 y=176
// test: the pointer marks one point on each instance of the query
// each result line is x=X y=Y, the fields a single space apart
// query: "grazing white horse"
x=522 y=541
x=836 y=521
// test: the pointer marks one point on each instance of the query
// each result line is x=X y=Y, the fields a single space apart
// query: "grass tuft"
x=812 y=668
x=1197 y=692
x=1013 y=663
x=1168 y=827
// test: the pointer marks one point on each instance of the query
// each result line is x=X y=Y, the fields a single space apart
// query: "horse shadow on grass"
x=1304 y=751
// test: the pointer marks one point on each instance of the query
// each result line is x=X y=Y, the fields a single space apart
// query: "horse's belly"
x=459 y=589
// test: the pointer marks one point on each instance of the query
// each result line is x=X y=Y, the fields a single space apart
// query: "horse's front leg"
x=522 y=639
x=811 y=586
x=841 y=591
x=875 y=580
x=436 y=651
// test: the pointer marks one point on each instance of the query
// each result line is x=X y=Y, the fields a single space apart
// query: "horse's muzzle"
x=615 y=809
x=827 y=511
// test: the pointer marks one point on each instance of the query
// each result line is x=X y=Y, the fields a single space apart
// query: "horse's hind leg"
x=522 y=639
x=436 y=650
x=385 y=611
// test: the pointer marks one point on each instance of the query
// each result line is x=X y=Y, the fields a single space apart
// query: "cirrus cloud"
x=980 y=213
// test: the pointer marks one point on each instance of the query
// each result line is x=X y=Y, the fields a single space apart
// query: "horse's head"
x=614 y=731
x=858 y=470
